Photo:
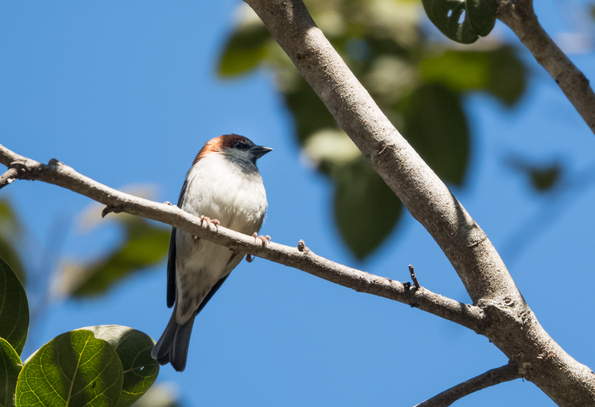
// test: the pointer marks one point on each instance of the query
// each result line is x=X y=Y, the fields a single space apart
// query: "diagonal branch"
x=301 y=257
x=520 y=17
x=490 y=378
x=427 y=198
x=511 y=326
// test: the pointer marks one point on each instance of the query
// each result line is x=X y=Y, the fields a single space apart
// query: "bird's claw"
x=210 y=222
x=265 y=239
x=249 y=258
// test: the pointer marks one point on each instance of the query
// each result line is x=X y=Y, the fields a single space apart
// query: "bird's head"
x=237 y=148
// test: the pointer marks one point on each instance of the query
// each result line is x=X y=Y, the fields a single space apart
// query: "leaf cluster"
x=106 y=365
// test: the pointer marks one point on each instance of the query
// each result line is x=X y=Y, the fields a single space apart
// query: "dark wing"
x=210 y=294
x=171 y=270
x=233 y=261
x=171 y=256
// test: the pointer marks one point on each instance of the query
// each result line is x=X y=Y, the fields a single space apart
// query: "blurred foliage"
x=144 y=245
x=10 y=238
x=542 y=177
x=437 y=128
x=160 y=395
x=105 y=365
x=418 y=82
x=245 y=51
x=495 y=71
x=377 y=209
x=14 y=311
x=462 y=21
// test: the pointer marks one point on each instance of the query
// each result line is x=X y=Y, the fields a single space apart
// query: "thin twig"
x=301 y=258
x=492 y=377
x=8 y=177
x=415 y=282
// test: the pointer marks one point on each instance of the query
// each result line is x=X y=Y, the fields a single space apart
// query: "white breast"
x=222 y=190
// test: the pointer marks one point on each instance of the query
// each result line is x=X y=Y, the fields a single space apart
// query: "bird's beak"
x=259 y=151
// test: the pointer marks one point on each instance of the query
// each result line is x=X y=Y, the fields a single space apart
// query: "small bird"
x=223 y=187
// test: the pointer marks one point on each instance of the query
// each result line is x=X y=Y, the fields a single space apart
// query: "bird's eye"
x=240 y=145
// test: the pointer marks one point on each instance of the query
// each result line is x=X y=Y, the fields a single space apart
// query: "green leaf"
x=366 y=209
x=436 y=127
x=499 y=72
x=9 y=223
x=11 y=256
x=507 y=75
x=244 y=50
x=462 y=21
x=10 y=236
x=73 y=369
x=134 y=349
x=144 y=246
x=14 y=308
x=10 y=366
x=543 y=177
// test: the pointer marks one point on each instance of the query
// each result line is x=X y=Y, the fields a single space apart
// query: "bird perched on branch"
x=223 y=187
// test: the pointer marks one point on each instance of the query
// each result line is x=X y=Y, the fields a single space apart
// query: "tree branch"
x=301 y=257
x=510 y=323
x=427 y=198
x=520 y=17
x=490 y=378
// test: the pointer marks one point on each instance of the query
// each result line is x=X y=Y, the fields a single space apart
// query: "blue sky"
x=126 y=93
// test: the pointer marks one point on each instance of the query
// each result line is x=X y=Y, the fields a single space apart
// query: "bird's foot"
x=249 y=258
x=265 y=239
x=210 y=222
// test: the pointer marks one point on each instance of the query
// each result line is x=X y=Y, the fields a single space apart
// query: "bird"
x=225 y=188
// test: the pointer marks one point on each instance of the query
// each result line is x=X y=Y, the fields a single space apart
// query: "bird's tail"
x=172 y=347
